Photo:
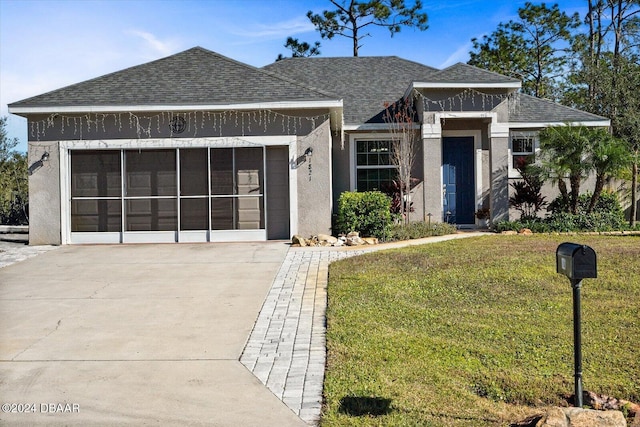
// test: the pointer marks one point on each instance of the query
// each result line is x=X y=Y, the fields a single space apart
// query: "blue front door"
x=458 y=180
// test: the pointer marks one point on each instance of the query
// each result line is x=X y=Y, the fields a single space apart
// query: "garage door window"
x=194 y=189
x=237 y=195
x=150 y=190
x=96 y=190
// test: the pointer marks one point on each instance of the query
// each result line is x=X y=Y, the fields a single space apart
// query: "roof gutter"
x=80 y=109
x=445 y=85
x=533 y=125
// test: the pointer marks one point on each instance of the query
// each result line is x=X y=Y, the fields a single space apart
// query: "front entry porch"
x=470 y=154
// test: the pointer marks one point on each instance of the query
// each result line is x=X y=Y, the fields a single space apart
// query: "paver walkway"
x=287 y=348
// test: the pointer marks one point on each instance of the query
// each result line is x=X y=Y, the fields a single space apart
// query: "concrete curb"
x=14 y=229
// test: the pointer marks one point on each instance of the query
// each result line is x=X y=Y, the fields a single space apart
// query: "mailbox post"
x=577 y=262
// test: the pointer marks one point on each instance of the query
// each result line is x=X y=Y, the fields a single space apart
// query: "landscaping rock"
x=353 y=239
x=509 y=233
x=370 y=240
x=319 y=240
x=297 y=240
x=574 y=417
x=327 y=238
x=525 y=232
x=604 y=402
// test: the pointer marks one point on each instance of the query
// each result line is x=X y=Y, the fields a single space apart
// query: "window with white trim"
x=374 y=168
x=523 y=145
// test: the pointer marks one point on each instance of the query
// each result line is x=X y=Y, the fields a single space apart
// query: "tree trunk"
x=574 y=180
x=597 y=191
x=354 y=25
x=634 y=194
x=562 y=187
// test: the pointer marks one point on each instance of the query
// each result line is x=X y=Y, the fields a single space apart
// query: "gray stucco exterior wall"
x=44 y=196
x=499 y=179
x=417 y=192
x=340 y=167
x=314 y=182
x=432 y=164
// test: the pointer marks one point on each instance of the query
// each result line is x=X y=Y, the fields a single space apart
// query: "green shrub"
x=607 y=203
x=607 y=215
x=368 y=212
x=536 y=225
x=417 y=230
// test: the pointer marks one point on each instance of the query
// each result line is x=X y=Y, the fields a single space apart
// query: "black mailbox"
x=576 y=261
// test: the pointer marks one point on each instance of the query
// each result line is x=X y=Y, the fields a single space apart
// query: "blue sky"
x=48 y=44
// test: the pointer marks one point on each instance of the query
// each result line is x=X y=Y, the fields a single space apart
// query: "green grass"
x=418 y=230
x=476 y=331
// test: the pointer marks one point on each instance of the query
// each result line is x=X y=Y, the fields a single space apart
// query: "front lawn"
x=476 y=331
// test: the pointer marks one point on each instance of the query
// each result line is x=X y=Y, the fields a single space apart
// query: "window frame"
x=520 y=134
x=354 y=167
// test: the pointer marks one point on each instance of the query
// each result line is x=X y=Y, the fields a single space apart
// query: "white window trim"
x=353 y=166
x=513 y=173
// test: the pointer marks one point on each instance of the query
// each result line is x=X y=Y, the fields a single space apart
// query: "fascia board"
x=373 y=127
x=527 y=125
x=78 y=109
x=444 y=85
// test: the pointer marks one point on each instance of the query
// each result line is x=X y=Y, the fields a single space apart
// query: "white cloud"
x=460 y=55
x=277 y=30
x=162 y=48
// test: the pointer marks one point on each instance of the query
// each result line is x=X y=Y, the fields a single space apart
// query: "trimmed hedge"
x=368 y=212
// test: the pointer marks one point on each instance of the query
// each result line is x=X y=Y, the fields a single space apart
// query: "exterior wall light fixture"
x=38 y=164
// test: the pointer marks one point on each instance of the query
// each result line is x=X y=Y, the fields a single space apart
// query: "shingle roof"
x=194 y=77
x=527 y=108
x=464 y=73
x=364 y=83
x=201 y=77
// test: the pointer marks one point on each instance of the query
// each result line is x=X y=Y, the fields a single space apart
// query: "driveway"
x=136 y=334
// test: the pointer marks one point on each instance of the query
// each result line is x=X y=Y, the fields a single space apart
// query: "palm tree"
x=566 y=154
x=609 y=157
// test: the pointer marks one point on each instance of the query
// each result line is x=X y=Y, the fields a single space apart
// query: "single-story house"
x=199 y=147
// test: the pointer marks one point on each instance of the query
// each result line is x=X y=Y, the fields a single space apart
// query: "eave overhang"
x=465 y=85
x=80 y=109
x=533 y=125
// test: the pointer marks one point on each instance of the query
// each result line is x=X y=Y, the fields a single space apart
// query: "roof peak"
x=461 y=72
x=196 y=76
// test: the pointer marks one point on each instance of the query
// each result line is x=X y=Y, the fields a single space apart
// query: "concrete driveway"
x=136 y=334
